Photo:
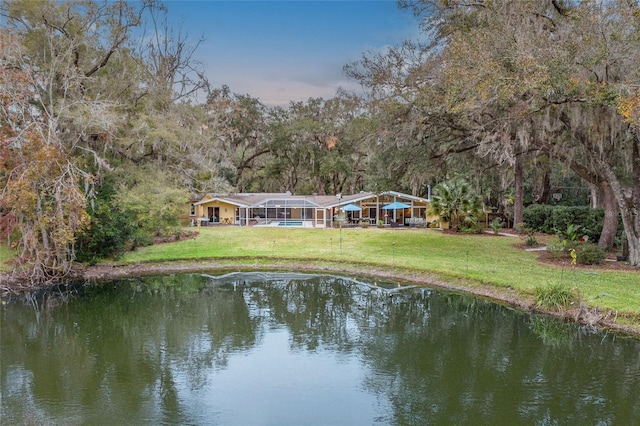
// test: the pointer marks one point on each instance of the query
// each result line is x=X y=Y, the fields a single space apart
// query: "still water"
x=291 y=349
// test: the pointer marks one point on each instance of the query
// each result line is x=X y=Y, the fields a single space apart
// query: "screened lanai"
x=318 y=211
x=287 y=211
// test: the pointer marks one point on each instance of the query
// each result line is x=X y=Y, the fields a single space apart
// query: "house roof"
x=257 y=200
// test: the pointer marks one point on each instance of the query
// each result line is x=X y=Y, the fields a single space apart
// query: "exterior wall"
x=219 y=211
x=189 y=215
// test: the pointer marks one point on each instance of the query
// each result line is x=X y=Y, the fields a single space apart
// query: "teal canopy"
x=350 y=208
x=396 y=205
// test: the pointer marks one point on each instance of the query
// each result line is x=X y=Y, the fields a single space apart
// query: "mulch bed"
x=610 y=263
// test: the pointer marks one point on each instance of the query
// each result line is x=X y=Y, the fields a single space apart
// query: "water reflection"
x=289 y=349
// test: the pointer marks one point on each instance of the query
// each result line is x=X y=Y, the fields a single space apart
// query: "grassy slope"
x=489 y=260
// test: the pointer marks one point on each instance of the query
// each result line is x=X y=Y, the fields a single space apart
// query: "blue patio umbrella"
x=351 y=208
x=396 y=205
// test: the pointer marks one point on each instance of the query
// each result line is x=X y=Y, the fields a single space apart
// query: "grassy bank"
x=473 y=259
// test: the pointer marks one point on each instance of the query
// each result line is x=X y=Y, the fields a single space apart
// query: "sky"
x=282 y=51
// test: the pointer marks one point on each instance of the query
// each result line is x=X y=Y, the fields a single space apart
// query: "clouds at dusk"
x=282 y=51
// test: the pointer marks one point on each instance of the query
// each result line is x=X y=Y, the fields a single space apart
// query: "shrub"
x=556 y=249
x=471 y=230
x=572 y=244
x=548 y=219
x=112 y=228
x=471 y=225
x=531 y=239
x=589 y=254
x=363 y=224
x=496 y=225
x=538 y=217
x=571 y=232
x=554 y=296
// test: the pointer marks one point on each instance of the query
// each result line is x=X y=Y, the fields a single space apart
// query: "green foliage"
x=316 y=146
x=473 y=229
x=531 y=239
x=549 y=219
x=589 y=254
x=571 y=232
x=110 y=231
x=538 y=217
x=455 y=199
x=496 y=225
x=471 y=225
x=570 y=244
x=153 y=204
x=554 y=296
x=556 y=249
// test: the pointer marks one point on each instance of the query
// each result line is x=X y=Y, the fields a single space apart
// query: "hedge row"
x=552 y=219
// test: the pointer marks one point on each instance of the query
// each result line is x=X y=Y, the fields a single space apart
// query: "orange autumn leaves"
x=42 y=194
x=629 y=108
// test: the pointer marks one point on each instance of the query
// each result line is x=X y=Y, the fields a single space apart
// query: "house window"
x=193 y=209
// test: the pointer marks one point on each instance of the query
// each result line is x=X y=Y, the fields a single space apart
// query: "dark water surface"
x=286 y=349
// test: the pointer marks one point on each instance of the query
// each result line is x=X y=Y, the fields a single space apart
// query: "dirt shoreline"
x=506 y=296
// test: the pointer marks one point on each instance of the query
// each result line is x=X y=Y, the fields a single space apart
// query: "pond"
x=290 y=349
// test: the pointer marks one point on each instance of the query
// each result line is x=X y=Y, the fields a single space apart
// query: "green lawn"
x=472 y=259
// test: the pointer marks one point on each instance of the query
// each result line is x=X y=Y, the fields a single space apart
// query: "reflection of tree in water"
x=316 y=311
x=476 y=362
x=148 y=328
x=436 y=357
x=442 y=358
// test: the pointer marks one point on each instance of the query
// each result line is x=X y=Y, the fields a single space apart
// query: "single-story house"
x=318 y=211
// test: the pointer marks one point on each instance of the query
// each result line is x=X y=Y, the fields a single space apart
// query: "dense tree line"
x=103 y=138
x=523 y=84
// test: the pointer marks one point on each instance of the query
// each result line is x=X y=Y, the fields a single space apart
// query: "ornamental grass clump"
x=554 y=296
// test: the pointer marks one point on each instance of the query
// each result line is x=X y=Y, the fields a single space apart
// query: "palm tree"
x=456 y=201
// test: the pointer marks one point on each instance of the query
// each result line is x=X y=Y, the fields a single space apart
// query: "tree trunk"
x=543 y=192
x=634 y=208
x=518 y=202
x=629 y=206
x=610 y=225
x=595 y=196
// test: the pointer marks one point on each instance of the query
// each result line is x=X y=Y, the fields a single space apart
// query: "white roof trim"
x=221 y=199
